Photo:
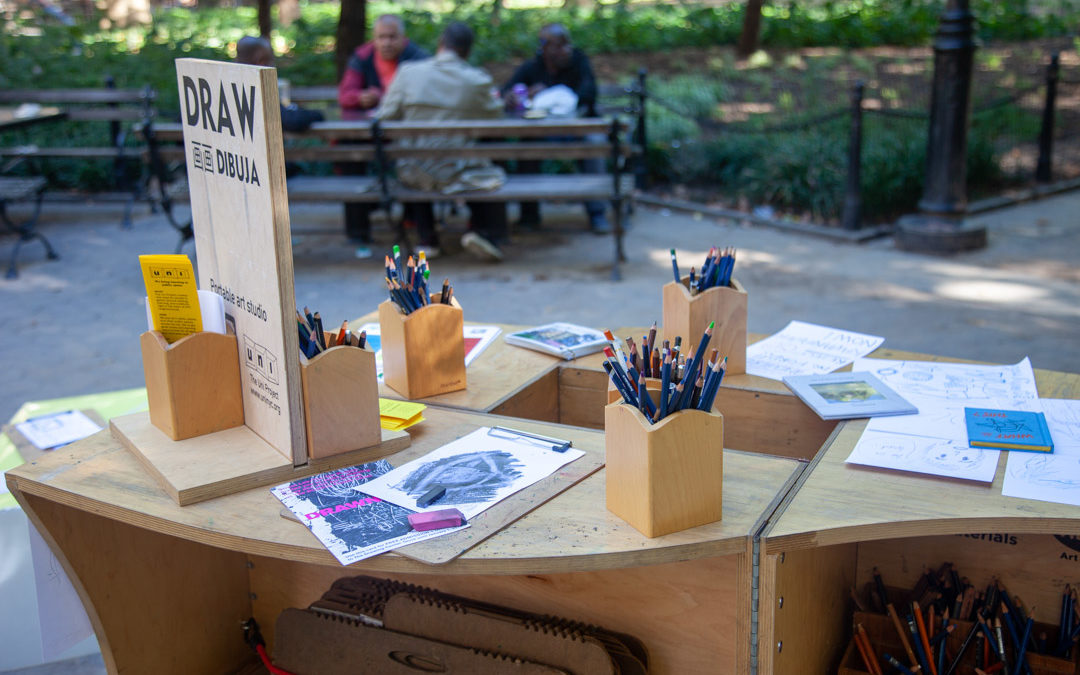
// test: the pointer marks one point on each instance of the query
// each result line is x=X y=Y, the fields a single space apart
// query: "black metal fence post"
x=641 y=166
x=852 y=218
x=1044 y=169
x=940 y=226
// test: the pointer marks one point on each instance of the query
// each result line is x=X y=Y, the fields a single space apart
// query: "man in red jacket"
x=368 y=73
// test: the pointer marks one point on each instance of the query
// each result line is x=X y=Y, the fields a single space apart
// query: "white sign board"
x=239 y=209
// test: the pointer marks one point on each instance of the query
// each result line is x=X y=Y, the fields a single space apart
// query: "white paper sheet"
x=51 y=431
x=477 y=339
x=60 y=612
x=934 y=441
x=349 y=523
x=477 y=470
x=1049 y=477
x=807 y=349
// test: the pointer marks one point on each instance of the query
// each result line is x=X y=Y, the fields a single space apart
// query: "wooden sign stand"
x=423 y=352
x=664 y=477
x=192 y=385
x=689 y=315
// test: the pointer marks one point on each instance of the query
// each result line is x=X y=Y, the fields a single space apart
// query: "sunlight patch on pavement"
x=996 y=292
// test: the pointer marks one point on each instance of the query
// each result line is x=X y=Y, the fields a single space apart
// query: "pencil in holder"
x=341 y=400
x=689 y=315
x=664 y=477
x=423 y=352
x=192 y=385
x=652 y=385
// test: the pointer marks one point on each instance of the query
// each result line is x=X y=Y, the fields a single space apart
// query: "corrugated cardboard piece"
x=392 y=627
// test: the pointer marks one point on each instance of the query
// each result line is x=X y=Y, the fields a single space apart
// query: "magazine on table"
x=836 y=396
x=567 y=340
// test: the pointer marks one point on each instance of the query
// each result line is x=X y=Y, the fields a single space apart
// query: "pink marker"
x=436 y=520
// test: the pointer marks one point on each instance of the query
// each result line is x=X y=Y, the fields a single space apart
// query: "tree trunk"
x=288 y=11
x=351 y=28
x=265 y=24
x=751 y=27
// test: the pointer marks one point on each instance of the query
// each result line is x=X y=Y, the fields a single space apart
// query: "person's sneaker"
x=430 y=252
x=480 y=247
x=599 y=225
x=362 y=252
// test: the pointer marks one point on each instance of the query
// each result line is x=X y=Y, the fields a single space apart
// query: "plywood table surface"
x=837 y=503
x=570 y=533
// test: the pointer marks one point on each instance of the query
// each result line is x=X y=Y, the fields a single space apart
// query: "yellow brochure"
x=173 y=295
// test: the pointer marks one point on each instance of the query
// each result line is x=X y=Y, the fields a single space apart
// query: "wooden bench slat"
x=76 y=153
x=12 y=188
x=88 y=95
x=106 y=115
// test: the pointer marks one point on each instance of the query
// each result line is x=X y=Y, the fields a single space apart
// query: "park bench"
x=118 y=108
x=379 y=144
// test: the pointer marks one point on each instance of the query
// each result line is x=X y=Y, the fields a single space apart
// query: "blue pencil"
x=675 y=267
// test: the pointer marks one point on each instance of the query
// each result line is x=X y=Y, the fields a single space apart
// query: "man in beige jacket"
x=446 y=87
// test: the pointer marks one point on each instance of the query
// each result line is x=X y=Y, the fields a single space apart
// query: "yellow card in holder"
x=173 y=295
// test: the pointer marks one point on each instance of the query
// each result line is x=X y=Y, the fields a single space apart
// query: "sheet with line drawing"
x=934 y=441
x=1049 y=477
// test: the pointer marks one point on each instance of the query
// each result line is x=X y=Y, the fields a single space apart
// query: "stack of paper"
x=399 y=415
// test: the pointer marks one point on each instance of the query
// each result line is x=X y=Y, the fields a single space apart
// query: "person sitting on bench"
x=444 y=88
x=558 y=62
x=256 y=51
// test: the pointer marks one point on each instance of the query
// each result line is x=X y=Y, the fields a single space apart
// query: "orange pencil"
x=875 y=667
x=341 y=333
x=903 y=637
x=921 y=625
x=865 y=651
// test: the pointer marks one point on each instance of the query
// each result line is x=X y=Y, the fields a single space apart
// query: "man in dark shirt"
x=558 y=62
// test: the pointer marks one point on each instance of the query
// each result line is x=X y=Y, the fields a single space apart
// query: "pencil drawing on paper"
x=469 y=478
x=1059 y=473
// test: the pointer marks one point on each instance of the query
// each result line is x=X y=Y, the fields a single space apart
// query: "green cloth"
x=108 y=405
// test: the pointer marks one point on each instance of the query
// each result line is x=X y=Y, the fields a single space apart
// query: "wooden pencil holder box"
x=884 y=639
x=341 y=400
x=664 y=477
x=192 y=385
x=689 y=315
x=423 y=352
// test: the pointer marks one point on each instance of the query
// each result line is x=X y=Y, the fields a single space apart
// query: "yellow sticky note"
x=394 y=424
x=173 y=295
x=402 y=410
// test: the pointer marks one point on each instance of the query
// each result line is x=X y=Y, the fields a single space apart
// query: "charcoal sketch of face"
x=469 y=478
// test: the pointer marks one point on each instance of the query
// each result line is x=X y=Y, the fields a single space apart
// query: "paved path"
x=72 y=326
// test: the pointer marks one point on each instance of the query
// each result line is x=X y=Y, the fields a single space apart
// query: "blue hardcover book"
x=1008 y=430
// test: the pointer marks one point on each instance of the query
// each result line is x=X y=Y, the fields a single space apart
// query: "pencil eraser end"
x=436 y=520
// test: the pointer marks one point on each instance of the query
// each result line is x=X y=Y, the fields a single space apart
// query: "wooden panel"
x=804 y=610
x=240 y=217
x=229 y=461
x=87 y=95
x=684 y=612
x=538 y=400
x=157 y=603
x=571 y=533
x=773 y=423
x=582 y=396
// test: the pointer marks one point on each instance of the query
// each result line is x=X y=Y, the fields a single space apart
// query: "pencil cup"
x=664 y=477
x=423 y=352
x=193 y=384
x=341 y=400
x=689 y=315
x=652 y=385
